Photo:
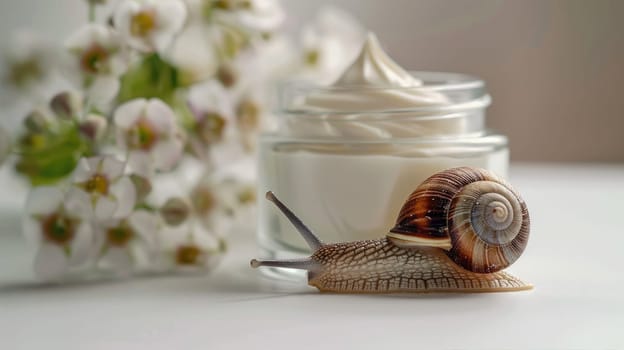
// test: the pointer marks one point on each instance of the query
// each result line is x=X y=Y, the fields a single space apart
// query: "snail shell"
x=480 y=220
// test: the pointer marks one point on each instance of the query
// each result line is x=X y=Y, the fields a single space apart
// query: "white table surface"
x=574 y=259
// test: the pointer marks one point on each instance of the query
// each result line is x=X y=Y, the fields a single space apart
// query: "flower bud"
x=227 y=76
x=93 y=127
x=35 y=121
x=65 y=105
x=142 y=185
x=175 y=211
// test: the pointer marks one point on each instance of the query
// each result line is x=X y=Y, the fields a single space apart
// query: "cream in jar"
x=345 y=157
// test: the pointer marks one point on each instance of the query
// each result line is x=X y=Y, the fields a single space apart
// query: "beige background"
x=554 y=68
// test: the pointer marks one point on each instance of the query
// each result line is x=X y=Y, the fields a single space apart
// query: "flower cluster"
x=136 y=121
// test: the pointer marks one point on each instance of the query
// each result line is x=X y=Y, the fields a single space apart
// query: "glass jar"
x=347 y=174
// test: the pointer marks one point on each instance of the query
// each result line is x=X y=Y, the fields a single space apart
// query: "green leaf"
x=151 y=77
x=49 y=156
x=185 y=116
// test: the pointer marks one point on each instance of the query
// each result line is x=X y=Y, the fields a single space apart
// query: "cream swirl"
x=374 y=85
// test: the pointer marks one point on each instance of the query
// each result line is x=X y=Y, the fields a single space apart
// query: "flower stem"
x=91 y=10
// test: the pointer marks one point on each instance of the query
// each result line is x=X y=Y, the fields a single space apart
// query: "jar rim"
x=464 y=91
x=432 y=80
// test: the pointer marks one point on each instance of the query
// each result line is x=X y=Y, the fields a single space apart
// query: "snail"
x=455 y=233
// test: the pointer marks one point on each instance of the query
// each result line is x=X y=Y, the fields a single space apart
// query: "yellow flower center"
x=247 y=196
x=209 y=7
x=245 y=5
x=143 y=135
x=188 y=255
x=93 y=60
x=203 y=200
x=232 y=43
x=211 y=128
x=311 y=57
x=58 y=228
x=142 y=23
x=222 y=4
x=35 y=140
x=98 y=183
x=119 y=236
x=248 y=115
x=22 y=73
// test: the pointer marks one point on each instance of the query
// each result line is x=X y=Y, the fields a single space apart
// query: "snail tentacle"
x=301 y=264
x=313 y=241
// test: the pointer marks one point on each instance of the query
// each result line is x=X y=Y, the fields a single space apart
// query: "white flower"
x=195 y=52
x=147 y=129
x=150 y=25
x=96 y=62
x=28 y=68
x=215 y=132
x=329 y=44
x=64 y=239
x=251 y=15
x=218 y=31
x=213 y=109
x=218 y=201
x=5 y=144
x=261 y=65
x=263 y=62
x=100 y=189
x=211 y=97
x=190 y=248
x=127 y=243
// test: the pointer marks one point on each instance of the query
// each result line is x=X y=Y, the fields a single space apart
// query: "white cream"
x=373 y=67
x=374 y=84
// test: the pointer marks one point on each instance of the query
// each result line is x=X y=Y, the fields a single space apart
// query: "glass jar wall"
x=346 y=174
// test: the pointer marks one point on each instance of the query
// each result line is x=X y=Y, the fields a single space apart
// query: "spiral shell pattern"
x=485 y=218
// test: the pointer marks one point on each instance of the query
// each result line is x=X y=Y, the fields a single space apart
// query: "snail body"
x=455 y=233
